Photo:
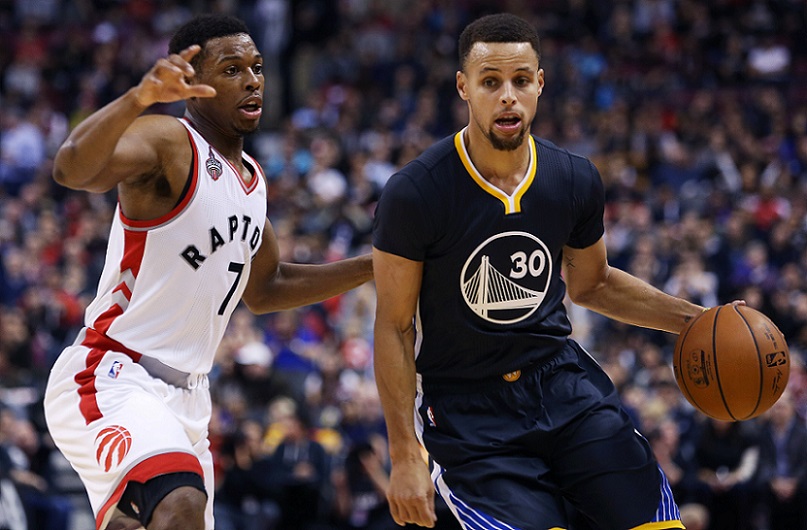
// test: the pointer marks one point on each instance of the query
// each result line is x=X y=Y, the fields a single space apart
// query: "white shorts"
x=116 y=423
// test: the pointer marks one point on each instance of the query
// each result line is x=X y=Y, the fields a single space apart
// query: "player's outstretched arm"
x=398 y=281
x=276 y=286
x=109 y=146
x=594 y=284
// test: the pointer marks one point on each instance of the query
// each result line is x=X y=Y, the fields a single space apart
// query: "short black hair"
x=499 y=27
x=203 y=28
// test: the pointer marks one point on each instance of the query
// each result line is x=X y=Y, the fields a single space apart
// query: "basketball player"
x=471 y=330
x=128 y=402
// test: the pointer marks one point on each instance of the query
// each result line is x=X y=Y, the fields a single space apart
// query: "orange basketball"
x=731 y=363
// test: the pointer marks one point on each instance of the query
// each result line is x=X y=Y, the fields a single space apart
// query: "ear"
x=540 y=81
x=462 y=85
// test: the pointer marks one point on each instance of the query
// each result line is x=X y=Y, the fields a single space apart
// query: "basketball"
x=731 y=363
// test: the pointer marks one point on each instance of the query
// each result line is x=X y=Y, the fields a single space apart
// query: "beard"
x=510 y=143
x=507 y=144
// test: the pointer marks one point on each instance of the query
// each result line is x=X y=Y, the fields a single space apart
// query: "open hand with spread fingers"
x=171 y=79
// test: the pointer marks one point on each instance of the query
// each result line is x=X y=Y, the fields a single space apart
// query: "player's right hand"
x=170 y=79
x=411 y=494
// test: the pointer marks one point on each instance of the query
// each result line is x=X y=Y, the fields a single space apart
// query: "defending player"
x=128 y=403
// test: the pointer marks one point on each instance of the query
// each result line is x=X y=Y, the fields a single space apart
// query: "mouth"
x=508 y=124
x=252 y=108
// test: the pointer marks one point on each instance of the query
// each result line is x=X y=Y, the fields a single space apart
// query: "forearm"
x=628 y=299
x=90 y=146
x=296 y=285
x=396 y=378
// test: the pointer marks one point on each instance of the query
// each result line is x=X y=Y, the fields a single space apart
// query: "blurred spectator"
x=22 y=149
x=300 y=475
x=361 y=488
x=727 y=455
x=243 y=496
x=27 y=460
x=783 y=466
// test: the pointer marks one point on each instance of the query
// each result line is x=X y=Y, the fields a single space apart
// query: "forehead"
x=501 y=56
x=231 y=46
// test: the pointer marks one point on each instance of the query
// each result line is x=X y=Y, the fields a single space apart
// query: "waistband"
x=475 y=386
x=156 y=368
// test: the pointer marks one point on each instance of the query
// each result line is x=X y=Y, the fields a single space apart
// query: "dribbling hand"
x=170 y=78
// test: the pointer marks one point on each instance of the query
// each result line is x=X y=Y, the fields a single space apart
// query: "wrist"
x=135 y=96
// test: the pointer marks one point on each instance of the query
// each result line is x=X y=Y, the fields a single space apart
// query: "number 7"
x=237 y=268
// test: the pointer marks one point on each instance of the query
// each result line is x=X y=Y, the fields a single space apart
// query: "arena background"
x=694 y=112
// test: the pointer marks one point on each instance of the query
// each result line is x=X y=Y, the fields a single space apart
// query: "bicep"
x=585 y=269
x=398 y=282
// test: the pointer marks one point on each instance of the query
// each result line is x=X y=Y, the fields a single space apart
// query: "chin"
x=243 y=131
x=507 y=144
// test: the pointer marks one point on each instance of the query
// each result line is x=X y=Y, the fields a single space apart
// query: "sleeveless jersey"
x=491 y=300
x=169 y=285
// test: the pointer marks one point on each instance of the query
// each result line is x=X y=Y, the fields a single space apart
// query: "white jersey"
x=170 y=285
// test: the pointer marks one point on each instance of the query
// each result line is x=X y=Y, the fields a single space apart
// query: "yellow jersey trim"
x=512 y=203
x=661 y=525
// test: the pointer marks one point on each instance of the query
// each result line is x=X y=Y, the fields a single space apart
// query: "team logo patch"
x=507 y=277
x=213 y=165
x=114 y=370
x=111 y=446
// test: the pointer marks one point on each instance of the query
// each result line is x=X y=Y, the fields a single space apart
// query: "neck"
x=229 y=145
x=503 y=169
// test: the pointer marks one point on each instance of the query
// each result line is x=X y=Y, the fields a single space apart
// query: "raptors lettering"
x=195 y=257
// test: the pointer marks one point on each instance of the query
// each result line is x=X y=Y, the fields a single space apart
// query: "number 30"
x=521 y=264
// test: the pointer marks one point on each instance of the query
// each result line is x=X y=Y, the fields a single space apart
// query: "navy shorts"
x=509 y=451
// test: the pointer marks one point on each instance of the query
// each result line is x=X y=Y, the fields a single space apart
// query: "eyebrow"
x=228 y=58
x=494 y=69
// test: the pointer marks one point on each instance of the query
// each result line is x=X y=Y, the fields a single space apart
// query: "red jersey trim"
x=176 y=462
x=96 y=340
x=179 y=208
x=85 y=379
x=134 y=247
x=99 y=345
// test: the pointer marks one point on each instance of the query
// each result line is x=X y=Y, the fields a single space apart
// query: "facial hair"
x=505 y=144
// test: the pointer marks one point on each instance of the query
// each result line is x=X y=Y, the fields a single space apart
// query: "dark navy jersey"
x=492 y=295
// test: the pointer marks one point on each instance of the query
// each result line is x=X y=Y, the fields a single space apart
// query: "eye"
x=257 y=69
x=231 y=70
x=523 y=81
x=490 y=82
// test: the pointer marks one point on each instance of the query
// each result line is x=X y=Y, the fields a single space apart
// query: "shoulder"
x=434 y=158
x=163 y=133
x=548 y=150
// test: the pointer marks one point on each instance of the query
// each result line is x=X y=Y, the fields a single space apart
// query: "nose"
x=508 y=94
x=252 y=80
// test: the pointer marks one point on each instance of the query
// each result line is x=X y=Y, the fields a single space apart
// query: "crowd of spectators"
x=694 y=112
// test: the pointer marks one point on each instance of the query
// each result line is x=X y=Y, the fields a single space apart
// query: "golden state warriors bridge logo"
x=506 y=277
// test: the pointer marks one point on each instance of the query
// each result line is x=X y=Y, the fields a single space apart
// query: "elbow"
x=62 y=173
x=583 y=297
x=60 y=177
x=67 y=173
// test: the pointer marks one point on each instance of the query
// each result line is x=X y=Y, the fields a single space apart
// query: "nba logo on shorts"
x=114 y=370
x=111 y=446
x=430 y=415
